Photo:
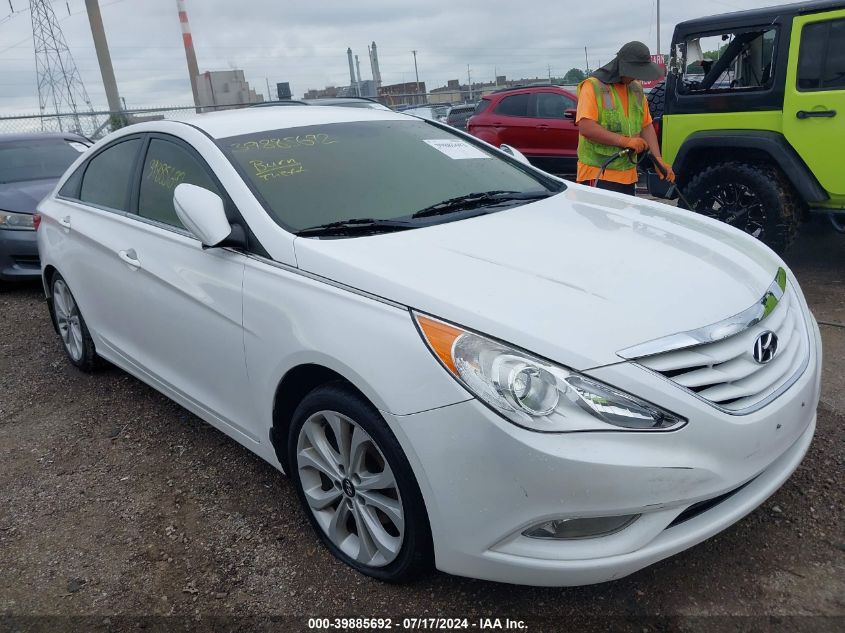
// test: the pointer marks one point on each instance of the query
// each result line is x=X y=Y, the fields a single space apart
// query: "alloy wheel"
x=68 y=319
x=735 y=204
x=350 y=488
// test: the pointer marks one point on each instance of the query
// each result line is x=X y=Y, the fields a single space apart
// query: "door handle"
x=543 y=127
x=130 y=257
x=65 y=221
x=823 y=114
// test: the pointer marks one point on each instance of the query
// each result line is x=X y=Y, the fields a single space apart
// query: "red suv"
x=539 y=121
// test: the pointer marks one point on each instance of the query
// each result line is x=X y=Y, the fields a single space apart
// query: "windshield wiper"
x=355 y=225
x=480 y=199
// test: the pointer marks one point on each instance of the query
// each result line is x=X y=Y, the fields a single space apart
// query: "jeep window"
x=724 y=62
x=821 y=61
x=515 y=105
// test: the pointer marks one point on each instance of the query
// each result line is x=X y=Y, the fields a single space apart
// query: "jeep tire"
x=752 y=197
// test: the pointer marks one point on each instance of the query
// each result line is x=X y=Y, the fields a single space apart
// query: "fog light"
x=591 y=527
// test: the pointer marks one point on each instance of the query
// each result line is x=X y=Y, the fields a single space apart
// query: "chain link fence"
x=94 y=124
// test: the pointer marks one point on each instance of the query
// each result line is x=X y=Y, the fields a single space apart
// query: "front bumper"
x=485 y=480
x=19 y=255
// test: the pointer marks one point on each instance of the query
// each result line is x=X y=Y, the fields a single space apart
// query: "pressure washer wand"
x=663 y=173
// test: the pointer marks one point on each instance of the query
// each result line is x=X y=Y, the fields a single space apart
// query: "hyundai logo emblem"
x=765 y=347
x=348 y=488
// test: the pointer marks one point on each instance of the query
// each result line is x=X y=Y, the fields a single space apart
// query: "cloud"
x=304 y=42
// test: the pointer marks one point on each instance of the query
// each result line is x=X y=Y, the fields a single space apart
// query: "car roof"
x=280 y=102
x=760 y=16
x=529 y=87
x=41 y=136
x=330 y=100
x=250 y=120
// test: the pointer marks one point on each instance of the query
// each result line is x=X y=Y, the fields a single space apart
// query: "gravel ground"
x=115 y=503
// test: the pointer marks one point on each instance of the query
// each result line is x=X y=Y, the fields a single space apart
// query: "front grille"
x=725 y=373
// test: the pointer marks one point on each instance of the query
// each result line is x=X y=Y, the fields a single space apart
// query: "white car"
x=458 y=359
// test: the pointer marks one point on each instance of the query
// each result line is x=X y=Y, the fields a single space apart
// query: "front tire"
x=356 y=485
x=751 y=197
x=76 y=339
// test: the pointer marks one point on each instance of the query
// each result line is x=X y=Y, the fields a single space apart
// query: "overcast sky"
x=304 y=42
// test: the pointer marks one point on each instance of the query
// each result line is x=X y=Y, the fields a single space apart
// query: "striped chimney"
x=191 y=56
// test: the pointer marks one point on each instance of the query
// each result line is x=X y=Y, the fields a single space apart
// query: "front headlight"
x=16 y=221
x=535 y=393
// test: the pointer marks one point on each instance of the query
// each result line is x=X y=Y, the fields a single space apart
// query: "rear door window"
x=551 y=105
x=514 y=105
x=821 y=60
x=167 y=165
x=107 y=177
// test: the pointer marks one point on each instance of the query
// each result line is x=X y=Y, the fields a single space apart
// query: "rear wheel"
x=356 y=486
x=751 y=197
x=76 y=339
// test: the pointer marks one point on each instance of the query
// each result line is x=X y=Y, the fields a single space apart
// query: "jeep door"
x=814 y=103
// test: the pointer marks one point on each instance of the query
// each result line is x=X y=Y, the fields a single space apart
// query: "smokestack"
x=191 y=56
x=358 y=72
x=351 y=68
x=374 y=62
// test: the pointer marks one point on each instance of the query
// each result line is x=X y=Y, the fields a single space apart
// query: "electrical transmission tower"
x=60 y=86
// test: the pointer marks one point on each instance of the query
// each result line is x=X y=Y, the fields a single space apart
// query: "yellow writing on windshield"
x=276 y=169
x=288 y=142
x=164 y=174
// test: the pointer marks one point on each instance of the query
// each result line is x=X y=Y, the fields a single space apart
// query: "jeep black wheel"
x=753 y=198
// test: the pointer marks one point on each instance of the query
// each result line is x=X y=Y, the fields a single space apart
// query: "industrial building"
x=222 y=89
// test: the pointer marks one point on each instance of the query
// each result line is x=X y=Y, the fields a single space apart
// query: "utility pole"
x=658 y=27
x=586 y=62
x=416 y=71
x=469 y=82
x=190 y=54
x=101 y=45
x=269 y=95
x=550 y=73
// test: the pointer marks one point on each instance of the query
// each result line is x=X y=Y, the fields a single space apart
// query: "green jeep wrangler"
x=752 y=117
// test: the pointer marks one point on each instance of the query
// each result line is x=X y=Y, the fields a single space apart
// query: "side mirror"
x=202 y=213
x=515 y=153
x=569 y=113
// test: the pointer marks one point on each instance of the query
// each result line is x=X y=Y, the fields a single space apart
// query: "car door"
x=512 y=123
x=89 y=213
x=814 y=104
x=174 y=308
x=557 y=135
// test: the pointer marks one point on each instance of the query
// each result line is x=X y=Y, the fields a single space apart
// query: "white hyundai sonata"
x=457 y=358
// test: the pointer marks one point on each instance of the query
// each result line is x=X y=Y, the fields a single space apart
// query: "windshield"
x=37 y=159
x=382 y=170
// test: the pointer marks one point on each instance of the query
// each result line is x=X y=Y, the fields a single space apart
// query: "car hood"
x=574 y=278
x=23 y=197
